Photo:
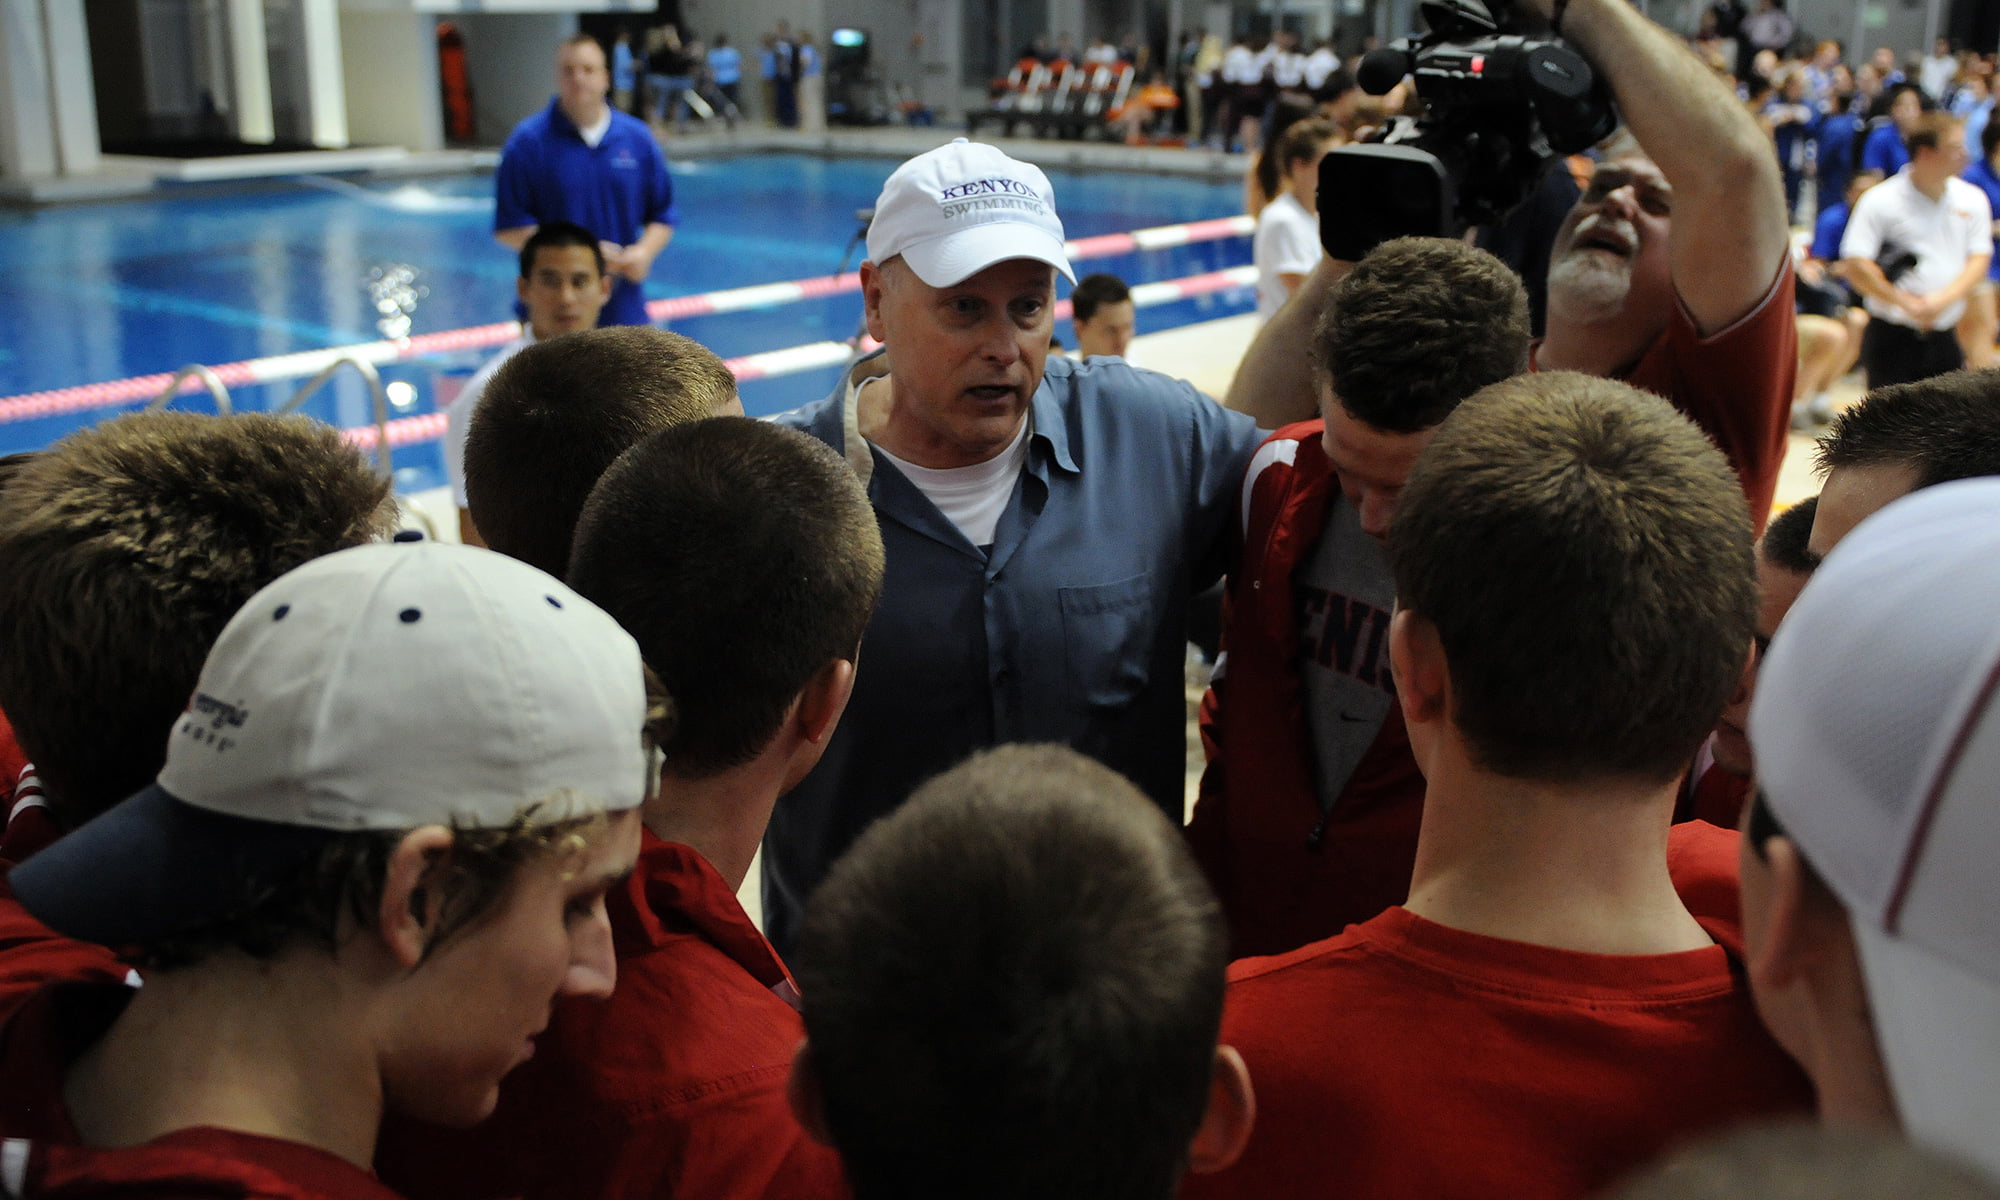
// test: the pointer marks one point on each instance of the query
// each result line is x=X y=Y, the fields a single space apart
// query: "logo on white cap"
x=956 y=210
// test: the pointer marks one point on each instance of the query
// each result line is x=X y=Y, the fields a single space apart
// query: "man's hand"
x=1924 y=310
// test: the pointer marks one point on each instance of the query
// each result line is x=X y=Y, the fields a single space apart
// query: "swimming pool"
x=106 y=291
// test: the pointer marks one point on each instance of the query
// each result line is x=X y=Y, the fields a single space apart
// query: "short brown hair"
x=1304 y=140
x=1418 y=325
x=1931 y=131
x=1942 y=427
x=340 y=887
x=742 y=557
x=124 y=549
x=555 y=415
x=1584 y=553
x=1013 y=987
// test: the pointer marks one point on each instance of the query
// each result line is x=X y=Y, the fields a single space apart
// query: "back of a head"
x=124 y=550
x=743 y=557
x=1876 y=727
x=1785 y=541
x=555 y=415
x=1270 y=161
x=1584 y=553
x=1013 y=987
x=1943 y=427
x=1418 y=325
x=1807 y=1162
x=1304 y=142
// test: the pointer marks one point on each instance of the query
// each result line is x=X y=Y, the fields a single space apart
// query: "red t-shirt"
x=42 y=1157
x=32 y=954
x=1736 y=384
x=1405 y=1059
x=672 y=1087
x=197 y=1164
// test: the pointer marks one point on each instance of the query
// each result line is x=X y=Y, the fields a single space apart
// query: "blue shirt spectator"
x=1982 y=176
x=1828 y=229
x=1884 y=151
x=1838 y=132
x=615 y=189
x=726 y=63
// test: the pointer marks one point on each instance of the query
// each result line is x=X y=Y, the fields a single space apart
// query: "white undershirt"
x=594 y=133
x=972 y=497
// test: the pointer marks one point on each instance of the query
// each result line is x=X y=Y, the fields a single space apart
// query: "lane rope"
x=306 y=363
x=792 y=360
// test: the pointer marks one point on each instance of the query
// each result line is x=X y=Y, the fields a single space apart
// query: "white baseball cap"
x=954 y=211
x=384 y=687
x=1876 y=727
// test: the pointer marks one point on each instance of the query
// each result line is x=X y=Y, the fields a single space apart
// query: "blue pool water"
x=102 y=292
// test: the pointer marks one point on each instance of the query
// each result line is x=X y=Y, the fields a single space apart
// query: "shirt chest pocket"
x=1108 y=633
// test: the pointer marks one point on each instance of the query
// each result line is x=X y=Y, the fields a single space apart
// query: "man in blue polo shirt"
x=583 y=161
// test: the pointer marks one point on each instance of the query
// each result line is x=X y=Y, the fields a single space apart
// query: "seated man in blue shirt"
x=1045 y=520
x=581 y=160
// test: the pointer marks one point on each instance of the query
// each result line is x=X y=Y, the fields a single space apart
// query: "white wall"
x=391 y=71
x=48 y=118
x=510 y=59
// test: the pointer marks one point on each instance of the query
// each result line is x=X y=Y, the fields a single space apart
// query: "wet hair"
x=124 y=550
x=743 y=557
x=1943 y=427
x=559 y=412
x=1095 y=290
x=550 y=234
x=1418 y=325
x=1584 y=553
x=1784 y=541
x=1013 y=987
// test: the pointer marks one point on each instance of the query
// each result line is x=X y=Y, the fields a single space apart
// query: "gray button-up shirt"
x=1072 y=629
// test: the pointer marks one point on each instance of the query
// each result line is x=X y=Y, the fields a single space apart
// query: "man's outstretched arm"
x=1729 y=226
x=1274 y=382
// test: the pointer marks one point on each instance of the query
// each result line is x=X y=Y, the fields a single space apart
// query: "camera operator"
x=1671 y=272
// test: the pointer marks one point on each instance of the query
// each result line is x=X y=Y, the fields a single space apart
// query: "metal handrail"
x=374 y=378
x=208 y=378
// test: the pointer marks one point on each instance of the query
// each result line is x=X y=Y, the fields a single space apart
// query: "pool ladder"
x=215 y=387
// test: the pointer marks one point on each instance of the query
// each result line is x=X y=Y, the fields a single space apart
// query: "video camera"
x=1498 y=108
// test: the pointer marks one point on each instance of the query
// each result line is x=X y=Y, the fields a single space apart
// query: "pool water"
x=106 y=291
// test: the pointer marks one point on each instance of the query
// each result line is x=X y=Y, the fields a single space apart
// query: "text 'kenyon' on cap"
x=954 y=211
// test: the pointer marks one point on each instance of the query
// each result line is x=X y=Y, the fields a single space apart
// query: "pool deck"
x=128 y=177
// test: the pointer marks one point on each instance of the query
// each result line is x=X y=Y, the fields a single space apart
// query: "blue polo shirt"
x=1071 y=628
x=548 y=172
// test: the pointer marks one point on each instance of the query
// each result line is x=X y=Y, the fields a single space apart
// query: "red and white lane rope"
x=306 y=363
x=814 y=356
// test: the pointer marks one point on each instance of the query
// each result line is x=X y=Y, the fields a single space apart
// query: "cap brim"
x=1938 y=1026
x=956 y=257
x=153 y=866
